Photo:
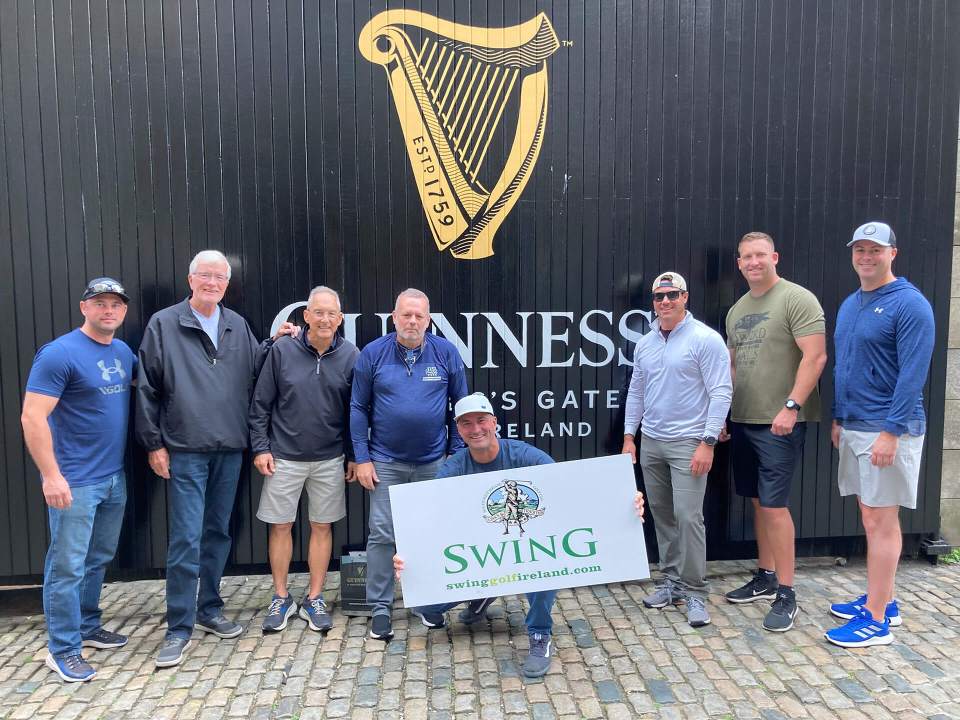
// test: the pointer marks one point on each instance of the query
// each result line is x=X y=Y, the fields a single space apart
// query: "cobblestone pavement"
x=613 y=659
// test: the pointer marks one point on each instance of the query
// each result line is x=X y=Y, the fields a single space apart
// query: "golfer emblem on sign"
x=512 y=503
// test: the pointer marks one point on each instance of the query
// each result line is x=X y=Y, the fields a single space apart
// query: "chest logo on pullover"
x=878 y=310
x=431 y=374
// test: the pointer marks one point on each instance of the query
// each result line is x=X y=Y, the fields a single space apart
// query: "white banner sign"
x=544 y=527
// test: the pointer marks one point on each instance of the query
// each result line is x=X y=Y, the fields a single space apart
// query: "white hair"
x=319 y=289
x=209 y=256
x=415 y=294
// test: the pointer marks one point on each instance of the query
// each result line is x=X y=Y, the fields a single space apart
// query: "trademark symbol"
x=566 y=43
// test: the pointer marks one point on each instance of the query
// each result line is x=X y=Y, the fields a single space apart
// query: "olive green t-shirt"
x=761 y=333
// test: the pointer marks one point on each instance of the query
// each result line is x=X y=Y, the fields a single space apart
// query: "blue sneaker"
x=72 y=668
x=861 y=631
x=314 y=611
x=280 y=610
x=429 y=619
x=852 y=609
x=538 y=660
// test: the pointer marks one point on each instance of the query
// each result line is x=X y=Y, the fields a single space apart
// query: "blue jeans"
x=380 y=542
x=202 y=490
x=538 y=617
x=83 y=541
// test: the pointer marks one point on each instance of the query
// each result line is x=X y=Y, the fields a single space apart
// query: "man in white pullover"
x=680 y=393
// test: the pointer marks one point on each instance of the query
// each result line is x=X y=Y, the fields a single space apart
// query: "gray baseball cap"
x=878 y=232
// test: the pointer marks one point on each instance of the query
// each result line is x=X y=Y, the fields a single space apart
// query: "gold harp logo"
x=451 y=89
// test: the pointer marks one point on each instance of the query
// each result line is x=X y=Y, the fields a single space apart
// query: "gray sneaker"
x=314 y=611
x=538 y=660
x=664 y=594
x=219 y=626
x=697 y=614
x=782 y=613
x=171 y=652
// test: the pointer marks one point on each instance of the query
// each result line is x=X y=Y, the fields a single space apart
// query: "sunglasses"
x=106 y=287
x=670 y=295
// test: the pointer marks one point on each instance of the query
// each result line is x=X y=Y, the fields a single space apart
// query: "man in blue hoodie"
x=402 y=429
x=884 y=340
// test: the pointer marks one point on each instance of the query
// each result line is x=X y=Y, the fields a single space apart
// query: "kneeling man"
x=485 y=452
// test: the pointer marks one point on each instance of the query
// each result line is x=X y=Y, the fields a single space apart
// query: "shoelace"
x=276 y=606
x=73 y=662
x=695 y=603
x=318 y=605
x=780 y=604
x=539 y=644
x=172 y=642
x=759 y=581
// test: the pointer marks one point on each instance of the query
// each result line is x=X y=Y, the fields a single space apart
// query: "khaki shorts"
x=875 y=486
x=326 y=488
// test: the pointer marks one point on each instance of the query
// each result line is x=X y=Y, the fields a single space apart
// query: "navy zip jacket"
x=406 y=410
x=301 y=405
x=883 y=354
x=192 y=396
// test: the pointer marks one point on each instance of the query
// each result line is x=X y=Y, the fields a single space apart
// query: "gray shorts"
x=875 y=486
x=325 y=485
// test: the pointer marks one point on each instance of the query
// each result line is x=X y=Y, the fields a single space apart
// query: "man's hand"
x=366 y=475
x=835 y=434
x=160 y=462
x=264 y=464
x=784 y=421
x=397 y=566
x=287 y=328
x=638 y=505
x=884 y=450
x=629 y=448
x=56 y=492
x=351 y=473
x=702 y=460
x=724 y=434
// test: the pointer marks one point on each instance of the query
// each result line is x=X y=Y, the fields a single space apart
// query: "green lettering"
x=449 y=554
x=552 y=552
x=489 y=553
x=591 y=545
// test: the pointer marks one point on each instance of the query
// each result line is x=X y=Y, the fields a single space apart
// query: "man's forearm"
x=39 y=442
x=808 y=374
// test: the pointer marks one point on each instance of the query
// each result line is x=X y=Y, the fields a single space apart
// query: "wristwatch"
x=708 y=440
x=791 y=404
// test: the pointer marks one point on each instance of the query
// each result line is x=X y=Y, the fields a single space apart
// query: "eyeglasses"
x=325 y=314
x=207 y=277
x=670 y=295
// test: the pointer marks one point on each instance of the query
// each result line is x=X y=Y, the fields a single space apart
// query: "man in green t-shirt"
x=776 y=337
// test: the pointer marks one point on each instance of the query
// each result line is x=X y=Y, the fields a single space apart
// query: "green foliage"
x=951 y=558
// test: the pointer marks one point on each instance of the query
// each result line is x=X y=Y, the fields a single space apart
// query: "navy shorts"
x=764 y=463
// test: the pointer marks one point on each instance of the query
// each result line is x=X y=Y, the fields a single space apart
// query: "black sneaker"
x=429 y=619
x=381 y=628
x=475 y=611
x=104 y=640
x=762 y=586
x=782 y=613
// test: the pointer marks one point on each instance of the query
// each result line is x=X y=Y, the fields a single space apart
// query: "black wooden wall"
x=135 y=133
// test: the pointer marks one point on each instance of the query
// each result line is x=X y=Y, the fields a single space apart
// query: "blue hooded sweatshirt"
x=883 y=351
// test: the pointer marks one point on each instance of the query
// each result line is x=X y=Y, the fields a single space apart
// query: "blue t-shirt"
x=513 y=454
x=210 y=325
x=89 y=424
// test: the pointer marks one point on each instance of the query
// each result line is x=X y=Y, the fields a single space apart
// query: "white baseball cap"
x=472 y=403
x=670 y=279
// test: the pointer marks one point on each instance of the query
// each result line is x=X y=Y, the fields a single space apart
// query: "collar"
x=188 y=319
x=305 y=342
x=686 y=318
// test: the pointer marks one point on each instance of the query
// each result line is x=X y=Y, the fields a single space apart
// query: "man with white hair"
x=402 y=428
x=300 y=437
x=198 y=364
